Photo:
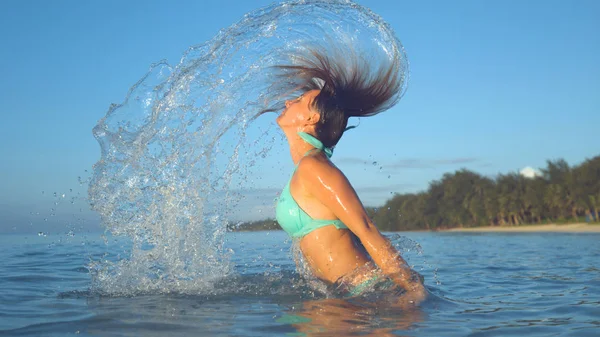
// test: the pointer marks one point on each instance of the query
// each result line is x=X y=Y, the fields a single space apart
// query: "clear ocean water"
x=492 y=284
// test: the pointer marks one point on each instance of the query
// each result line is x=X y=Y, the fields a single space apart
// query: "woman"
x=319 y=206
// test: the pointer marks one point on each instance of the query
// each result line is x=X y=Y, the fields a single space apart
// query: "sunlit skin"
x=324 y=192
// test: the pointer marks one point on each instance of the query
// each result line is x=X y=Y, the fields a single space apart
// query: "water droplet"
x=375 y=163
x=389 y=176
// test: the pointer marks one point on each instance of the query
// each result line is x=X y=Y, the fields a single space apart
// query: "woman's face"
x=299 y=112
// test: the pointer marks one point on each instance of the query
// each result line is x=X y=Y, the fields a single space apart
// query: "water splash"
x=177 y=151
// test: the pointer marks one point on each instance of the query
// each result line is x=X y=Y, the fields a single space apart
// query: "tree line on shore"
x=561 y=193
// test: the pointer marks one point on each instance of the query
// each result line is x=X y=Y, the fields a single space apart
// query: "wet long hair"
x=350 y=85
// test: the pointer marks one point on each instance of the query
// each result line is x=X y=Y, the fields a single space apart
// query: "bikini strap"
x=312 y=140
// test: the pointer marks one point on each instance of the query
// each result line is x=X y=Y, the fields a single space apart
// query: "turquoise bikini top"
x=289 y=215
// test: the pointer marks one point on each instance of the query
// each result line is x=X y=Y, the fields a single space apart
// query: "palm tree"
x=465 y=198
x=588 y=186
x=533 y=198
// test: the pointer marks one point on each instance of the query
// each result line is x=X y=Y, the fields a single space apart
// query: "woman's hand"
x=415 y=291
x=414 y=296
x=412 y=282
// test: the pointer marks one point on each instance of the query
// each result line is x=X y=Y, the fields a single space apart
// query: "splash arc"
x=182 y=144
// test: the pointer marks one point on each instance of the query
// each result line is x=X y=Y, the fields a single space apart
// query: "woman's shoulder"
x=318 y=166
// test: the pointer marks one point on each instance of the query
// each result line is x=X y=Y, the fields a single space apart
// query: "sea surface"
x=489 y=284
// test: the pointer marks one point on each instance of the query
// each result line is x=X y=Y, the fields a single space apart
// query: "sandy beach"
x=572 y=228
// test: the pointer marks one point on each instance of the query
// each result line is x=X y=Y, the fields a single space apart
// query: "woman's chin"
x=279 y=119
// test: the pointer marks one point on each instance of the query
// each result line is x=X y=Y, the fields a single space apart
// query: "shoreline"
x=581 y=227
x=554 y=228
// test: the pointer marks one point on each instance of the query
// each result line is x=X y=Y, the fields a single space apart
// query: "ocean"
x=480 y=284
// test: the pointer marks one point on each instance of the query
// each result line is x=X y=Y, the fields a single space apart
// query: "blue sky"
x=495 y=86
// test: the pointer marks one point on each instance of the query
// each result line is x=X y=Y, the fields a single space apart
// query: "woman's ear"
x=313 y=118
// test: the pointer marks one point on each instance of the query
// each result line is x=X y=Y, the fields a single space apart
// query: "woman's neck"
x=298 y=146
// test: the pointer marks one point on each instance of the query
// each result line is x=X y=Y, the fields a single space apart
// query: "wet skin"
x=324 y=192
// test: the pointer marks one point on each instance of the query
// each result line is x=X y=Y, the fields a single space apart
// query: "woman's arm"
x=328 y=184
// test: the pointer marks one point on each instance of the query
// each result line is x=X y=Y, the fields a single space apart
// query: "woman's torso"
x=331 y=252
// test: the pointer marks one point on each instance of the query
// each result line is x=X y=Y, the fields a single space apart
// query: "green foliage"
x=260 y=225
x=467 y=199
